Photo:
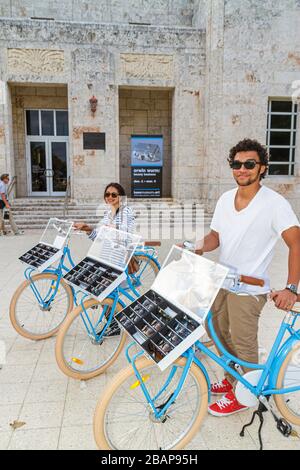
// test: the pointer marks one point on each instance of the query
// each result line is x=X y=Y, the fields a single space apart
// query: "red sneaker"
x=221 y=387
x=228 y=405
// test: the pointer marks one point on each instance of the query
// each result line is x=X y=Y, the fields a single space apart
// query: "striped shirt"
x=123 y=220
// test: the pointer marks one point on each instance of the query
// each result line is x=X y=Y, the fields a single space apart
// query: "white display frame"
x=110 y=233
x=194 y=336
x=58 y=243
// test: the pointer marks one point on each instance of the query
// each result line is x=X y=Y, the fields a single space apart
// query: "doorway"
x=47 y=152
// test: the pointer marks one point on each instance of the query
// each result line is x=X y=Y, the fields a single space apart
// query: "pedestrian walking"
x=5 y=207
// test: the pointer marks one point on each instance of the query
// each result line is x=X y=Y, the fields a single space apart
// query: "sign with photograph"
x=146 y=166
x=146 y=150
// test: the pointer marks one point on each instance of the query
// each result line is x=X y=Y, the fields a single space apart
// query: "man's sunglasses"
x=248 y=164
x=113 y=195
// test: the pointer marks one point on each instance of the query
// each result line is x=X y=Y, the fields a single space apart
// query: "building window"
x=281 y=137
x=46 y=122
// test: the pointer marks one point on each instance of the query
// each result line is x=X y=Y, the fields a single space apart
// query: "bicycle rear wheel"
x=124 y=420
x=29 y=317
x=145 y=276
x=78 y=353
x=288 y=404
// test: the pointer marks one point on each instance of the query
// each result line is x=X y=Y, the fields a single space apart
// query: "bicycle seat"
x=152 y=243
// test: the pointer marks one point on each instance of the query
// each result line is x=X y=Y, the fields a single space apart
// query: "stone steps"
x=34 y=213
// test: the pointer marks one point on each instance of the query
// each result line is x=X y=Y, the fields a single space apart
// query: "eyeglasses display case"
x=50 y=247
x=103 y=269
x=169 y=318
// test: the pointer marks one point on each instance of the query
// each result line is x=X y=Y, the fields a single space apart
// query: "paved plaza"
x=58 y=411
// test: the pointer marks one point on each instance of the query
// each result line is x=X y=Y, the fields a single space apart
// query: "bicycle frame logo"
x=2 y=353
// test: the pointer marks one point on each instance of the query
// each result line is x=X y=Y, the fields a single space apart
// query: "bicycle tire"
x=100 y=432
x=280 y=400
x=153 y=266
x=17 y=295
x=61 y=362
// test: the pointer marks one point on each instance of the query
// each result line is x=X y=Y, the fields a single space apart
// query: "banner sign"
x=146 y=166
x=146 y=182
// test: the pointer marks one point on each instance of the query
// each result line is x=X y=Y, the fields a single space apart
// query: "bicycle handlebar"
x=253 y=281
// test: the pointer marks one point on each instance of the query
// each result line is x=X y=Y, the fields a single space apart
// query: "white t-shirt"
x=3 y=188
x=248 y=237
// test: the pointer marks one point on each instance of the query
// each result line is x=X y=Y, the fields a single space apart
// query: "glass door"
x=38 y=168
x=47 y=152
x=59 y=167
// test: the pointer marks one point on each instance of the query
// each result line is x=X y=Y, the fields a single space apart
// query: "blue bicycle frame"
x=133 y=282
x=115 y=297
x=269 y=370
x=59 y=272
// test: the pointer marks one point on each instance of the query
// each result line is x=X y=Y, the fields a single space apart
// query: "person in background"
x=5 y=206
x=119 y=215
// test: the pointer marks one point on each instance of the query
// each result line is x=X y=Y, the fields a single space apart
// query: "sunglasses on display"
x=113 y=195
x=248 y=164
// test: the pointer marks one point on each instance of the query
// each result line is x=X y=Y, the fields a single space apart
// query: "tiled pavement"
x=58 y=411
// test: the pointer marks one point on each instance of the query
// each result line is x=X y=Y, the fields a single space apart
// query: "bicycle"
x=89 y=340
x=42 y=301
x=143 y=408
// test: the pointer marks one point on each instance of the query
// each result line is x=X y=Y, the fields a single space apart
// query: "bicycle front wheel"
x=145 y=276
x=33 y=318
x=288 y=404
x=124 y=420
x=79 y=352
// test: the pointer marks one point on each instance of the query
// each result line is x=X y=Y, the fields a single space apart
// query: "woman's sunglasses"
x=248 y=164
x=113 y=195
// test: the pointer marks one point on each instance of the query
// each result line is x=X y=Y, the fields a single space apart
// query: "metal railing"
x=67 y=197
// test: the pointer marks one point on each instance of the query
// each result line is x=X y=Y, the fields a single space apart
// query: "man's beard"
x=249 y=181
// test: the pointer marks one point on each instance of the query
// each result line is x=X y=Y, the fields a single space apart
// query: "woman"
x=119 y=215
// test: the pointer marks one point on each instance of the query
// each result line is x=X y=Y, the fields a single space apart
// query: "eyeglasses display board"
x=103 y=269
x=50 y=247
x=169 y=318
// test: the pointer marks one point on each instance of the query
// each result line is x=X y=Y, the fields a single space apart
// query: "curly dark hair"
x=246 y=145
x=118 y=187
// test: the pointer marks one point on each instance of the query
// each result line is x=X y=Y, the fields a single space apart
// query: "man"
x=246 y=225
x=4 y=204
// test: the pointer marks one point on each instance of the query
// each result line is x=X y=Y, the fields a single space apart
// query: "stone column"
x=213 y=154
x=6 y=140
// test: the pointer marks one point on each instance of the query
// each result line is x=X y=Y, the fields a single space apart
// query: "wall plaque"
x=94 y=141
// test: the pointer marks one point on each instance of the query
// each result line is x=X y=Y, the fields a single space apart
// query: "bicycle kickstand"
x=259 y=412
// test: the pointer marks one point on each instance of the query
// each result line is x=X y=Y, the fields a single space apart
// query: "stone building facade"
x=201 y=73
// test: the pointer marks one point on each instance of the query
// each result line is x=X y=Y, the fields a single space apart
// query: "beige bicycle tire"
x=150 y=260
x=279 y=399
x=144 y=362
x=16 y=296
x=63 y=331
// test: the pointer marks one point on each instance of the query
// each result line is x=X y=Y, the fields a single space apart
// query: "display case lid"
x=56 y=232
x=190 y=282
x=114 y=247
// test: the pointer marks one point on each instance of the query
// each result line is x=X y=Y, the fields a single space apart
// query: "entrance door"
x=47 y=154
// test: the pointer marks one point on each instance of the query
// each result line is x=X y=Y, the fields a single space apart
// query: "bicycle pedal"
x=284 y=427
